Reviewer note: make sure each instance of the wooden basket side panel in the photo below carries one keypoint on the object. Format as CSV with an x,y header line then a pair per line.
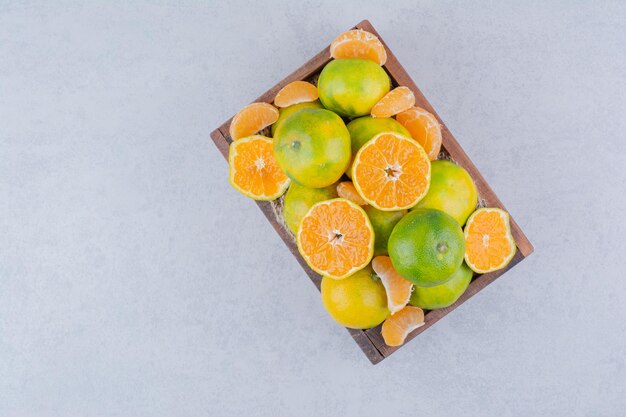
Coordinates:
x,y
370,341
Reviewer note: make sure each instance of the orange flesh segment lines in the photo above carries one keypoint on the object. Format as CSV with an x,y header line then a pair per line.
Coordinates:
x,y
254,171
398,288
336,238
488,240
389,169
397,327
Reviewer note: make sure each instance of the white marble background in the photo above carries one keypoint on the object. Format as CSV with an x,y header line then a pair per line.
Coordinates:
x,y
135,282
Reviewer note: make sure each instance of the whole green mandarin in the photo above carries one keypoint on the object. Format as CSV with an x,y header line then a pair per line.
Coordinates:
x,y
312,146
426,247
351,87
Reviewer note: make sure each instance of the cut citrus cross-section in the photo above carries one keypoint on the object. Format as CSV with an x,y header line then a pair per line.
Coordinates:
x,y
251,119
253,170
396,101
391,172
336,238
397,327
358,43
345,189
398,289
424,128
294,93
489,245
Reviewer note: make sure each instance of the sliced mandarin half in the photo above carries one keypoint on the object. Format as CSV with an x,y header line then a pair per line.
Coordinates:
x,y
396,101
397,327
398,288
336,238
295,93
345,189
251,119
253,170
424,128
489,244
391,172
358,43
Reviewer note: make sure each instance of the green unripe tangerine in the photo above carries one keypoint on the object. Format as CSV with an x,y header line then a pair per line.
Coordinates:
x,y
426,247
351,87
312,146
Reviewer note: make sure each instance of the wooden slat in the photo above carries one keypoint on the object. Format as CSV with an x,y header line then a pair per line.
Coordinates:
x,y
370,341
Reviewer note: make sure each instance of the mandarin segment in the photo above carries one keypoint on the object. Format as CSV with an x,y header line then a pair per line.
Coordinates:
x,y
358,43
424,128
254,171
336,238
398,289
397,327
295,93
251,119
345,189
489,244
396,101
391,172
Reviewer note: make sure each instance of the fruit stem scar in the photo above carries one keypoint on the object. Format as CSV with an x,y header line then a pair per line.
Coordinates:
x,y
442,247
392,172
335,237
295,145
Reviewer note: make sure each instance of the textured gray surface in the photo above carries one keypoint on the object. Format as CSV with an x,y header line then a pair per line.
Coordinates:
x,y
135,282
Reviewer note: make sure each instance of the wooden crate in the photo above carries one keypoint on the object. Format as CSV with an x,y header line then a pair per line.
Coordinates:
x,y
371,341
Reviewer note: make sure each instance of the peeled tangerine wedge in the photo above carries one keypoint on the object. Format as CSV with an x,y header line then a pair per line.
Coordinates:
x,y
398,289
358,43
295,93
391,172
397,327
253,170
345,189
336,238
396,101
251,119
489,245
424,128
